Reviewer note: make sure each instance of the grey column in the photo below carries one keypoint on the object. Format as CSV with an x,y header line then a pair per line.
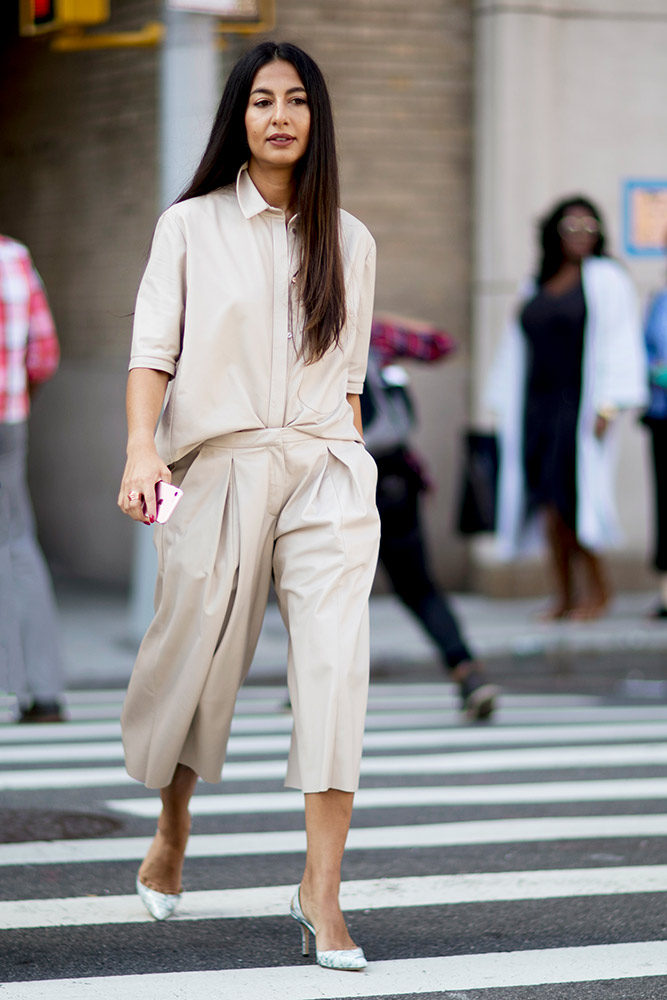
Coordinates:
x,y
189,91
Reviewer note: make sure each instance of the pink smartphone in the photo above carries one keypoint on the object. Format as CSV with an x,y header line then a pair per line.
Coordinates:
x,y
166,497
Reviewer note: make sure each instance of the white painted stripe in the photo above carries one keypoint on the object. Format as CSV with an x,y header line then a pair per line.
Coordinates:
x,y
421,976
282,722
252,694
222,804
91,696
412,739
372,894
484,761
37,734
497,831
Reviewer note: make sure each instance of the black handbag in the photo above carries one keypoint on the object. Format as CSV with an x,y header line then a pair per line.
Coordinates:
x,y
477,505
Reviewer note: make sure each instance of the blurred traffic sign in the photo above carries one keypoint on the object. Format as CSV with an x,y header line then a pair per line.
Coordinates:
x,y
38,16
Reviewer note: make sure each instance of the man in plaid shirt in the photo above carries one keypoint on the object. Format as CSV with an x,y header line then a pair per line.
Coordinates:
x,y
29,355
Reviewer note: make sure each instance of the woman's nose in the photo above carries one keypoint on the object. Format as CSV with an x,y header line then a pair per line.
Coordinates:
x,y
280,113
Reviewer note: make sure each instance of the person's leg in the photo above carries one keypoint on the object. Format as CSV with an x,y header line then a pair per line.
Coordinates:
x,y
561,543
210,604
327,824
598,592
659,449
403,555
41,680
162,867
324,564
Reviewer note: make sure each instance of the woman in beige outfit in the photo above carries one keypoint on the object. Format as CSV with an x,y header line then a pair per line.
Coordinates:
x,y
253,319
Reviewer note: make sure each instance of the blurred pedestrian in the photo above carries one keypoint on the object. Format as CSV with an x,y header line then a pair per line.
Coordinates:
x,y
571,358
29,355
655,419
388,418
257,300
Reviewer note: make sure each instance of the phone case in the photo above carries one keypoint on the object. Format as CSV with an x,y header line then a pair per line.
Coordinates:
x,y
167,497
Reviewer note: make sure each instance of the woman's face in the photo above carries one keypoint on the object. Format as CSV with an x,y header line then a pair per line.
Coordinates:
x,y
579,232
277,117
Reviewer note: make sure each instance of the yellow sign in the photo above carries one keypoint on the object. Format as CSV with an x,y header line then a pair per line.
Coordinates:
x,y
38,16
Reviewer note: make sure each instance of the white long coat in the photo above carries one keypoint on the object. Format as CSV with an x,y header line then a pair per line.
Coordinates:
x,y
614,373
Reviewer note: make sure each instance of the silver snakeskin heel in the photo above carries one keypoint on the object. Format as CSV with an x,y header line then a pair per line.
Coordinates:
x,y
350,960
160,905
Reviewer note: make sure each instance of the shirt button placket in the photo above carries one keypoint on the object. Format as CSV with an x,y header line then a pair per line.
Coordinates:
x,y
280,331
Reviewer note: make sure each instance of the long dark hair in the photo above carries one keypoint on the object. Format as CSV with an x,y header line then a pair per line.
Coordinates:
x,y
552,250
320,278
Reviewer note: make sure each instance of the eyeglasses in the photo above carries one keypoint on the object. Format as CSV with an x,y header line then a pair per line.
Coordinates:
x,y
570,225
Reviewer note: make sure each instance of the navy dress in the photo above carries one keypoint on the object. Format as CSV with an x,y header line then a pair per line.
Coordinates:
x,y
553,326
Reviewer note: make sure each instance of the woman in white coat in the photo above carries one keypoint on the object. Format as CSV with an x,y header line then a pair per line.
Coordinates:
x,y
570,359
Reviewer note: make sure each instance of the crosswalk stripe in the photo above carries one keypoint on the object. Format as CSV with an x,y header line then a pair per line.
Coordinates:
x,y
368,894
394,720
624,755
401,692
444,697
417,739
396,797
474,832
638,959
530,733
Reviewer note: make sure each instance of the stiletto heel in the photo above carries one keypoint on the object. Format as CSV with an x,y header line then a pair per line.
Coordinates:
x,y
346,960
305,942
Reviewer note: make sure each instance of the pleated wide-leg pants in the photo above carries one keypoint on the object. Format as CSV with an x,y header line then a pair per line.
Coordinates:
x,y
255,504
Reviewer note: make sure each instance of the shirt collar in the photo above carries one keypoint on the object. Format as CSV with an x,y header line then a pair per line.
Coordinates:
x,y
249,198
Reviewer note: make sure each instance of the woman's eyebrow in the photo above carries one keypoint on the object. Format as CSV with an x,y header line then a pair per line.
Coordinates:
x,y
265,90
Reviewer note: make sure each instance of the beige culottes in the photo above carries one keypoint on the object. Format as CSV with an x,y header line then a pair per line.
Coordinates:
x,y
257,503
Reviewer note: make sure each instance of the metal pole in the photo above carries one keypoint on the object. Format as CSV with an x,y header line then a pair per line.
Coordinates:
x,y
189,90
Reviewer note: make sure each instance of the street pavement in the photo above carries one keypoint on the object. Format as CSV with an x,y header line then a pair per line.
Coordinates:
x,y
523,859
100,645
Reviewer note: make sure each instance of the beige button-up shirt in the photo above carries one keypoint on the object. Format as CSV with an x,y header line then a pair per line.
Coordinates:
x,y
217,309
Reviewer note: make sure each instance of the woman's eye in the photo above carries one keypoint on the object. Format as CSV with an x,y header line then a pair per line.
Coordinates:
x,y
264,103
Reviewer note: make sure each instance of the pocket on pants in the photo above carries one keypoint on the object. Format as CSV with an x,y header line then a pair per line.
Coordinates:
x,y
361,465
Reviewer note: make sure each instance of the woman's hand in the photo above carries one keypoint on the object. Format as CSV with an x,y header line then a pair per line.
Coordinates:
x,y
143,469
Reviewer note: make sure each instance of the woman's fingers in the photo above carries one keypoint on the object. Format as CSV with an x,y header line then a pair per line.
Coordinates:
x,y
143,470
131,502
149,504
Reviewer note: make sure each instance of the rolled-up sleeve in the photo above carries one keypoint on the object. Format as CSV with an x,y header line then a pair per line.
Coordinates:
x,y
160,309
362,333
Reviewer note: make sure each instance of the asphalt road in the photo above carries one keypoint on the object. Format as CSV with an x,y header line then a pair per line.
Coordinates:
x,y
523,860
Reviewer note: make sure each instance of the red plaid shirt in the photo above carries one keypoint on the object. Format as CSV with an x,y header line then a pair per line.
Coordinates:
x,y
397,339
29,351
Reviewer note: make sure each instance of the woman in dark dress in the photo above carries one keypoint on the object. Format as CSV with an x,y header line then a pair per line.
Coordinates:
x,y
572,356
553,323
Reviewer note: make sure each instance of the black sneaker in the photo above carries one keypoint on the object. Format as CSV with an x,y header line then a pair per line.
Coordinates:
x,y
42,711
478,697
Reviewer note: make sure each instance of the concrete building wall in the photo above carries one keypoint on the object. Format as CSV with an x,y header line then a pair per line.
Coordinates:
x,y
569,100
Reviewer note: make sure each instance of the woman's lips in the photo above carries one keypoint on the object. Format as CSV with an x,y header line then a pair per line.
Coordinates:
x,y
281,140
